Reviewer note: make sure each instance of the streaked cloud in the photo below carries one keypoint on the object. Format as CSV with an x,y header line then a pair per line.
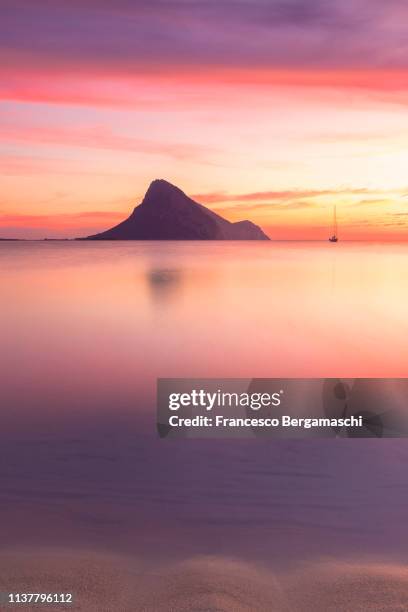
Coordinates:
x,y
100,137
372,202
66,218
295,194
58,225
265,208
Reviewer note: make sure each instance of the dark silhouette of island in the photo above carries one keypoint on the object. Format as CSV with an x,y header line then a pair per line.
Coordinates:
x,y
166,213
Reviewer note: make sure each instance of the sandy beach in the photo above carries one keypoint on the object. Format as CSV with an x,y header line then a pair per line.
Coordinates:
x,y
107,583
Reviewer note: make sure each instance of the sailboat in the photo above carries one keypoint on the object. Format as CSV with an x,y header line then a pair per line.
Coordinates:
x,y
334,237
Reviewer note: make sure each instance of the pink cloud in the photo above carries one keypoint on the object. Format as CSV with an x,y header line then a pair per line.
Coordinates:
x,y
61,225
222,197
100,137
173,89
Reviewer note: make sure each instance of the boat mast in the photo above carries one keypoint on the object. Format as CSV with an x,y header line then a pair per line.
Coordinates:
x,y
334,221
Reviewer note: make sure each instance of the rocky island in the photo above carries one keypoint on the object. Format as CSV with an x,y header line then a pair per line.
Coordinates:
x,y
167,213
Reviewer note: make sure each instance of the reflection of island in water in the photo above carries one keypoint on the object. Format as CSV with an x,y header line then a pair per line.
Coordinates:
x,y
165,280
164,284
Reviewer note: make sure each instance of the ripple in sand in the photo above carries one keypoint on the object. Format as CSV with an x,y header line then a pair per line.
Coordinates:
x,y
106,583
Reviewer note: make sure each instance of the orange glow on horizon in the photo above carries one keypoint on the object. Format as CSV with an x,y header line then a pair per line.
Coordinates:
x,y
305,139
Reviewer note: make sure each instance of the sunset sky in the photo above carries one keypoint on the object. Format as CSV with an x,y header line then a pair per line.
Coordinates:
x,y
269,110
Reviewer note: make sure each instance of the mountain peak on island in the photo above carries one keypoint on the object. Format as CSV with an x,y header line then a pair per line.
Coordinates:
x,y
162,186
167,213
162,192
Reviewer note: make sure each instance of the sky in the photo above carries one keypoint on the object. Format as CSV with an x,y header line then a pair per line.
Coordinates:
x,y
268,110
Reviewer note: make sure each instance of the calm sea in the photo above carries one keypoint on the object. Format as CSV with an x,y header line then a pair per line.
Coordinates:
x,y
86,328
